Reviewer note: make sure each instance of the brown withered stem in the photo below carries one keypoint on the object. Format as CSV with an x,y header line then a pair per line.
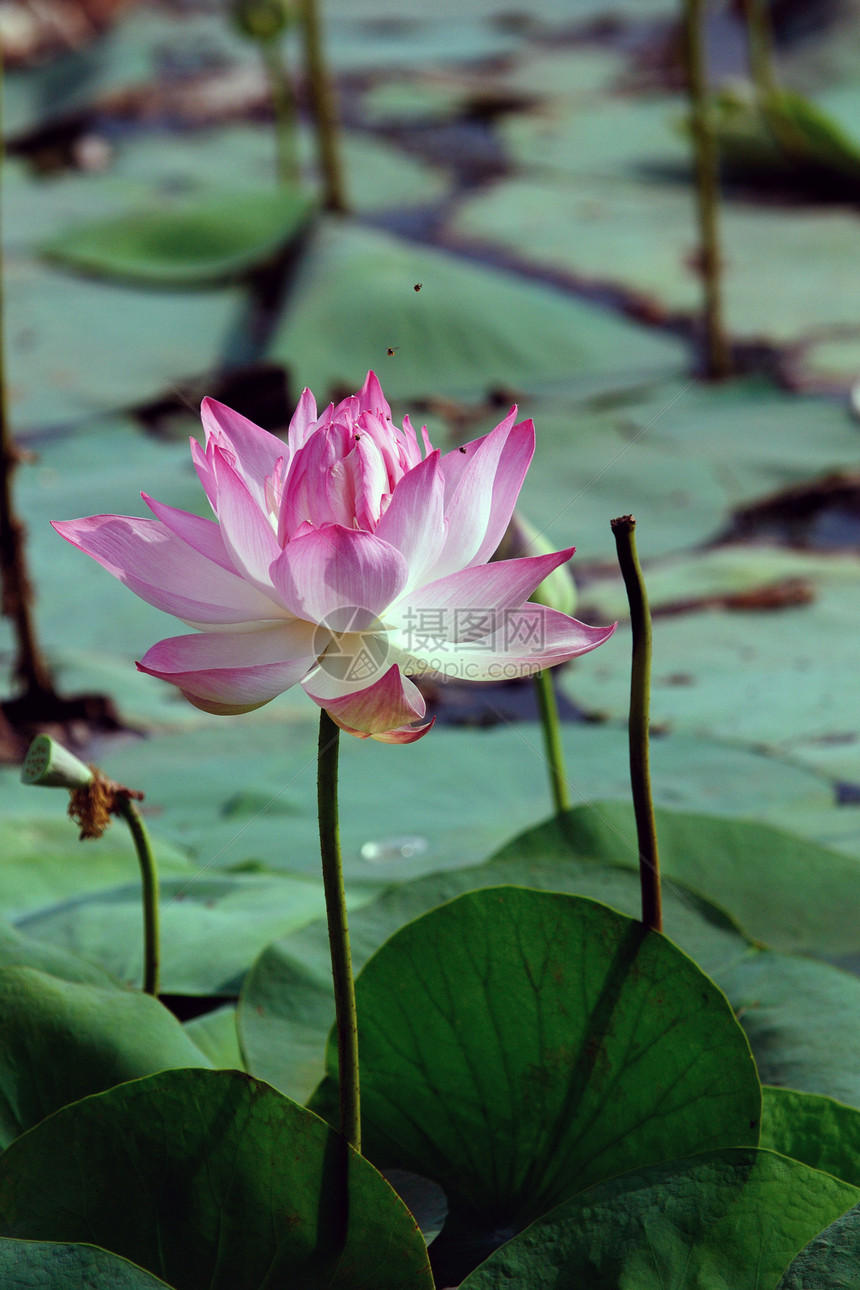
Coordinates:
x,y
91,807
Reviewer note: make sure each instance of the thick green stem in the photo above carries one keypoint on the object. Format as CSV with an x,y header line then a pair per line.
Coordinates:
x,y
149,879
718,354
322,102
284,108
552,740
640,703
760,42
338,932
30,668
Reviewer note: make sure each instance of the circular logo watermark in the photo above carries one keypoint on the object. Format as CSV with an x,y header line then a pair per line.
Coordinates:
x,y
349,650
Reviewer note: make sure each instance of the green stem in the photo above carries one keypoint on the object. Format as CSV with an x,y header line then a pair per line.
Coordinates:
x,y
284,108
30,668
760,41
640,702
552,739
149,878
322,101
338,932
718,355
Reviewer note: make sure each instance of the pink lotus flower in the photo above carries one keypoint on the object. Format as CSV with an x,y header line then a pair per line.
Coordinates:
x,y
345,560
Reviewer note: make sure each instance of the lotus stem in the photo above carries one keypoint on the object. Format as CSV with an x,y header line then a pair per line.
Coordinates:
x,y
640,703
338,932
322,102
718,354
284,108
552,739
760,42
149,883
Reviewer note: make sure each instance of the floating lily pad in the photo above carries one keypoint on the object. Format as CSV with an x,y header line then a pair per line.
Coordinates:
x,y
468,329
641,237
719,573
681,457
76,347
196,243
377,174
729,1218
756,678
584,134
478,788
212,1180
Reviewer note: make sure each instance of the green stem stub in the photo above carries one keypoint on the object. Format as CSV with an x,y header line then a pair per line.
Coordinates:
x,y
50,765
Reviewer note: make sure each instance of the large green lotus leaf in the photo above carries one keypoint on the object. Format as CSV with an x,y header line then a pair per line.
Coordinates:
x,y
78,347
796,1016
188,243
33,1265
212,927
819,1131
22,951
519,1045
763,679
213,1182
784,890
639,236
831,1260
62,1040
214,1033
468,329
730,1218
43,861
286,1007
